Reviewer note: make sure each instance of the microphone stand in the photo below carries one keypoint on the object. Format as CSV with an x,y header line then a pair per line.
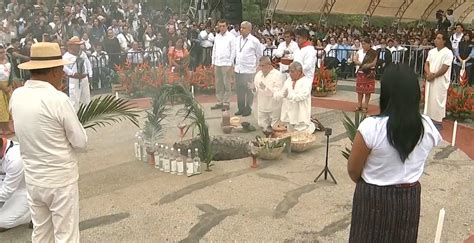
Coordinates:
x,y
326,171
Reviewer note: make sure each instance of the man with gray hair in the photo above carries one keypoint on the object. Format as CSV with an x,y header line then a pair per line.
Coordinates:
x,y
268,81
248,52
296,94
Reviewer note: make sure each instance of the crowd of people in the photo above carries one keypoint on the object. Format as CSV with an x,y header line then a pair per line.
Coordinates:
x,y
84,41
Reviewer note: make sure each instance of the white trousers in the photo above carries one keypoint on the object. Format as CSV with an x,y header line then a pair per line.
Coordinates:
x,y
79,92
15,210
55,213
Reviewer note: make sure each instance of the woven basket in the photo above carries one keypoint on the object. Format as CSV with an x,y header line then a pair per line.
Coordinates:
x,y
266,154
301,142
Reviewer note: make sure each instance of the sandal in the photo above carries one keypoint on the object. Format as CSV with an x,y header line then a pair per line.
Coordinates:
x,y
364,110
358,108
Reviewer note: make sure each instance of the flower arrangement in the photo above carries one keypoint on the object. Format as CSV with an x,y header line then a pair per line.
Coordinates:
x,y
459,101
325,81
203,78
142,77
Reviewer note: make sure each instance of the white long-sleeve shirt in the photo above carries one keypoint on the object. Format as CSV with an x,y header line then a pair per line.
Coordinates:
x,y
71,69
273,82
306,56
49,132
248,52
282,47
125,40
296,107
223,51
12,166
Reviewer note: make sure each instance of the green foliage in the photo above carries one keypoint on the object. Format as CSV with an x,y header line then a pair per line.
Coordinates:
x,y
351,129
153,129
193,111
106,110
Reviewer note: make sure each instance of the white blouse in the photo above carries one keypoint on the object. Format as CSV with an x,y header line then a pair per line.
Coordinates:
x,y
384,166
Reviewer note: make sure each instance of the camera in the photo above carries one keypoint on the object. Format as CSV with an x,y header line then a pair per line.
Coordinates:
x,y
328,131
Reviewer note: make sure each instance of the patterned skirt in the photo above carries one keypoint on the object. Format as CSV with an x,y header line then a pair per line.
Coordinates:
x,y
365,83
4,99
385,213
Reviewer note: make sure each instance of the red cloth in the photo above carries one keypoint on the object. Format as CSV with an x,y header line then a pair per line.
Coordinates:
x,y
365,83
305,44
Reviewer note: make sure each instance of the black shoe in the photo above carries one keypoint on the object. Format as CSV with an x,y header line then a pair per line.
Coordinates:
x,y
217,107
247,113
238,113
30,225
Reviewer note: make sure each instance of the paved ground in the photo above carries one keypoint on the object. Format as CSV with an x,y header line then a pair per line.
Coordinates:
x,y
124,200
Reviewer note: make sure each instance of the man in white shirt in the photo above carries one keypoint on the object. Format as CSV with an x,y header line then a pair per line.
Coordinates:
x,y
286,49
235,30
135,55
49,132
125,39
438,76
457,36
248,51
306,55
268,81
397,52
330,48
14,208
206,40
296,108
223,56
78,73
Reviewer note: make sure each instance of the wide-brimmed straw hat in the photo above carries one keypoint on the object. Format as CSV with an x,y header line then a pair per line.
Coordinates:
x,y
75,41
44,55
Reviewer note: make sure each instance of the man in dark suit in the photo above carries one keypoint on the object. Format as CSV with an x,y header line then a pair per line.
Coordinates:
x,y
385,58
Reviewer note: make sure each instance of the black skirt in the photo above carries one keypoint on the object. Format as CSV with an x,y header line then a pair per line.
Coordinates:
x,y
385,213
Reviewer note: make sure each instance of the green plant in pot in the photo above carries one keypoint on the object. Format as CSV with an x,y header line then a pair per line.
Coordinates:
x,y
351,129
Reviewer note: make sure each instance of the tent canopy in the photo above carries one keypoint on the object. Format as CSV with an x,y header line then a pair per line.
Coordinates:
x,y
386,8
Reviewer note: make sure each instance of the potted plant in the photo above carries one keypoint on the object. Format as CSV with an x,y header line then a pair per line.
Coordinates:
x,y
351,129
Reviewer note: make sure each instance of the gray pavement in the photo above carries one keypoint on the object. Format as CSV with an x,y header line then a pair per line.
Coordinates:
x,y
124,200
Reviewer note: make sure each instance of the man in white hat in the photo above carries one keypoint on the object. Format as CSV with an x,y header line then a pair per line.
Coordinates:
x,y
49,133
78,73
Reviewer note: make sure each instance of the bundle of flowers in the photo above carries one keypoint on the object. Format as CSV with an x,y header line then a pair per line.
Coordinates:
x,y
203,78
142,76
325,80
459,102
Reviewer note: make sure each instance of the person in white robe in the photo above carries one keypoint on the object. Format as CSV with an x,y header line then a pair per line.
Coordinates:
x,y
267,82
306,55
438,77
14,210
286,49
296,107
78,73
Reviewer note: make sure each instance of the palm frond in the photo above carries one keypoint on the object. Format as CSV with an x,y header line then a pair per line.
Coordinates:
x,y
106,110
193,111
351,129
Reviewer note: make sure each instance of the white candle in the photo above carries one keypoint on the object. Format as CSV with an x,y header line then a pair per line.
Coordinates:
x,y
427,93
439,228
192,90
455,129
116,95
136,147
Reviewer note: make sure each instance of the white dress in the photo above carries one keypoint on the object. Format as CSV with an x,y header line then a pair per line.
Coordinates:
x,y
435,100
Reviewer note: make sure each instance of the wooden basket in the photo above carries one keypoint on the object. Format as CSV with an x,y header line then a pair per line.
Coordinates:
x,y
301,142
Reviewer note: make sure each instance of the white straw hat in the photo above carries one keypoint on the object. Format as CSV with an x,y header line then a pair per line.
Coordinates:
x,y
44,55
